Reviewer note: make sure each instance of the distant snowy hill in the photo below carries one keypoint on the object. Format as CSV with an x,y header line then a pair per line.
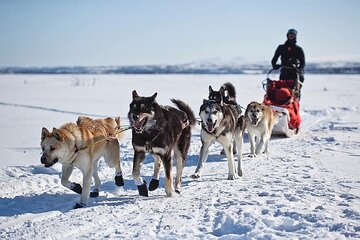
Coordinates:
x,y
211,66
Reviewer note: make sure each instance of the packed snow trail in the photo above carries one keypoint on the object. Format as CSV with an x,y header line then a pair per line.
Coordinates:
x,y
307,187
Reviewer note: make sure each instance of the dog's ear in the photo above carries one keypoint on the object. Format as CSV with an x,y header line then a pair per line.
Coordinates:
x,y
117,120
222,91
44,133
210,89
247,109
57,135
154,96
81,119
203,106
134,94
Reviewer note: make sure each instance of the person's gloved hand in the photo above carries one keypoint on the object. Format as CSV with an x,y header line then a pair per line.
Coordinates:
x,y
276,67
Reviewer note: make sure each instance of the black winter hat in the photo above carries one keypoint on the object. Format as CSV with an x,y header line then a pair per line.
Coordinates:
x,y
291,31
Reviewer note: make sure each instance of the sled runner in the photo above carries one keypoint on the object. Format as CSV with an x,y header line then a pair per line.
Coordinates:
x,y
283,97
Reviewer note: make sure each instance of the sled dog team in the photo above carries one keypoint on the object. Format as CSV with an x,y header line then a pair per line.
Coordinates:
x,y
162,131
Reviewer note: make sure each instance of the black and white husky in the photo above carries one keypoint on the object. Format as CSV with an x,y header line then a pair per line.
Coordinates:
x,y
226,94
163,131
221,122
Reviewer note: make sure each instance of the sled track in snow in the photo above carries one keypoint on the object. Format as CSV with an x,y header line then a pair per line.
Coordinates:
x,y
50,109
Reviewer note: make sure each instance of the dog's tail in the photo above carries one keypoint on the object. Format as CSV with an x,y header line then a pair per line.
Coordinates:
x,y
277,116
186,109
231,93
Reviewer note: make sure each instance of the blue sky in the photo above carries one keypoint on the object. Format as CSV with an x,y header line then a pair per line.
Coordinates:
x,y
131,32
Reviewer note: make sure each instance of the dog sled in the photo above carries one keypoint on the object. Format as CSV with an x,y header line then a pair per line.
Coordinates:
x,y
283,97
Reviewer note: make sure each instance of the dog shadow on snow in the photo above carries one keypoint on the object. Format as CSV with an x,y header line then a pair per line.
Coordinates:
x,y
217,157
64,202
110,195
49,201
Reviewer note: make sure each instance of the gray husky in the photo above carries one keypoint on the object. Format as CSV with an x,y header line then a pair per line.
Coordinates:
x,y
221,122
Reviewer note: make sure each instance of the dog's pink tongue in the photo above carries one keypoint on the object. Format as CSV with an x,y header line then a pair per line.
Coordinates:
x,y
139,124
210,127
254,120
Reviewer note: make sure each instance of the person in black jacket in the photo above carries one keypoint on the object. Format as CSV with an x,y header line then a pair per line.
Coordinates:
x,y
291,56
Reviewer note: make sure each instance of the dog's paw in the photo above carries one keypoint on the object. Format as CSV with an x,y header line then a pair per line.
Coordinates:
x,y
177,191
94,193
169,193
119,181
266,152
252,155
79,205
231,177
240,172
76,187
195,176
143,191
222,152
154,184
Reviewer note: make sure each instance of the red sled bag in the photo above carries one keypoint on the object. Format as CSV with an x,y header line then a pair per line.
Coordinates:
x,y
282,97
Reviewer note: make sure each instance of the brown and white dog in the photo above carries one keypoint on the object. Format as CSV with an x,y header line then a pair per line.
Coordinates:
x,y
81,145
260,120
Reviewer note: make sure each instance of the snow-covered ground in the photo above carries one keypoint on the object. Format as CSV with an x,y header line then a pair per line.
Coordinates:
x,y
307,187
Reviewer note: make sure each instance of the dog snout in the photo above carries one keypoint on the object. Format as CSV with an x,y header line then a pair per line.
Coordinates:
x,y
209,120
43,158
